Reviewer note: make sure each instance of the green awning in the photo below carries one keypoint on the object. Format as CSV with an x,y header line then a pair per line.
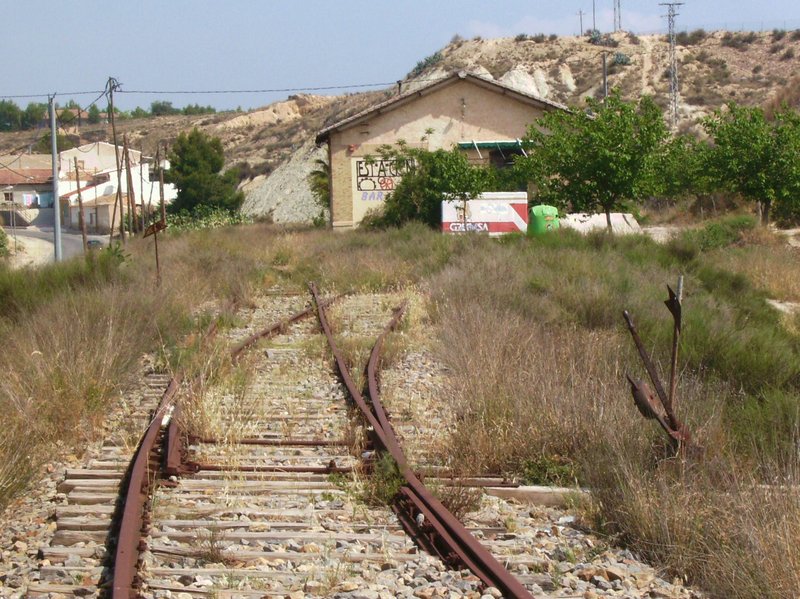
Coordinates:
x,y
512,144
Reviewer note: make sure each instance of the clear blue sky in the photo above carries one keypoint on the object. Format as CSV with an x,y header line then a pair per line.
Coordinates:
x,y
76,45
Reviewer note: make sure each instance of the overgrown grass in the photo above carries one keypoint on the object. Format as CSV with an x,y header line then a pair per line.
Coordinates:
x,y
532,332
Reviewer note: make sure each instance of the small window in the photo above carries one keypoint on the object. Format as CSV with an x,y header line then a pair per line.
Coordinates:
x,y
8,196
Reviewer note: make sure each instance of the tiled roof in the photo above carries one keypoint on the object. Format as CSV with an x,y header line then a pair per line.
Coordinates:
x,y
398,101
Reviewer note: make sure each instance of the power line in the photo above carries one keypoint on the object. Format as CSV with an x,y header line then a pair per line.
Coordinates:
x,y
83,93
258,91
218,91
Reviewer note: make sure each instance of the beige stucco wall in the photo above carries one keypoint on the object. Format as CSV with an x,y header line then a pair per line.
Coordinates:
x,y
462,111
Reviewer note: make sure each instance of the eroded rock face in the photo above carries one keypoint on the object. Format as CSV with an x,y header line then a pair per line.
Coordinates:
x,y
285,195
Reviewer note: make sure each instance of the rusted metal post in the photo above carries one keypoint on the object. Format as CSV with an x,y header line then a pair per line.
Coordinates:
x,y
674,306
646,360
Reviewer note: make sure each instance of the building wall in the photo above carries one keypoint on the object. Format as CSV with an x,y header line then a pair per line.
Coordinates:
x,y
98,219
462,111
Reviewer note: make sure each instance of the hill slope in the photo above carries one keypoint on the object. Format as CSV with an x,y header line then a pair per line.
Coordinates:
x,y
714,68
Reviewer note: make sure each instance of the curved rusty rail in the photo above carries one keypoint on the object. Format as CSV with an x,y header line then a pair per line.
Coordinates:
x,y
140,475
445,534
140,478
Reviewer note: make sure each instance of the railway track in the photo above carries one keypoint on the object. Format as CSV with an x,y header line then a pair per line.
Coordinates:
x,y
254,486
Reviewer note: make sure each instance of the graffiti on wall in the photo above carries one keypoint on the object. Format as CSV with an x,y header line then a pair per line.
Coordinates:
x,y
375,178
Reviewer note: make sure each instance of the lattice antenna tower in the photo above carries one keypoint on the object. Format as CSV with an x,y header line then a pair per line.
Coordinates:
x,y
617,15
673,62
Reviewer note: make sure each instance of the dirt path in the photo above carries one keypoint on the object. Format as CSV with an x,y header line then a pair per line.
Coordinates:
x,y
647,65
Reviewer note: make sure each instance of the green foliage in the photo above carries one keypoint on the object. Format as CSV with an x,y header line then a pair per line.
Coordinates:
x,y
757,158
740,41
4,251
163,108
64,142
34,115
684,38
602,39
204,217
196,109
622,59
196,161
319,181
598,160
428,179
10,116
23,291
94,114
547,470
714,235
426,63
766,424
384,483
67,117
680,168
139,113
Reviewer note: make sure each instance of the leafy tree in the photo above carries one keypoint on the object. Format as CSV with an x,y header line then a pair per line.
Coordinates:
x,y
34,114
319,180
196,109
196,161
94,114
428,179
680,169
756,158
139,113
162,107
598,160
66,117
64,142
10,116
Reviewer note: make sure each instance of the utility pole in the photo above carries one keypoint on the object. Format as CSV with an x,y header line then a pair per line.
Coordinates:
x,y
81,218
56,202
113,85
594,17
605,75
580,16
673,62
617,15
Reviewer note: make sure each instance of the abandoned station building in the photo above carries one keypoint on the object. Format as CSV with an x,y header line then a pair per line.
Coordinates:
x,y
484,118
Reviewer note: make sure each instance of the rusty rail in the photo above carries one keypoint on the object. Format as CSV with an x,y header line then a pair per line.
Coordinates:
x,y
141,475
433,526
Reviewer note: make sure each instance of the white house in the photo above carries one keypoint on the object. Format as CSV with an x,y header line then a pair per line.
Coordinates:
x,y
97,180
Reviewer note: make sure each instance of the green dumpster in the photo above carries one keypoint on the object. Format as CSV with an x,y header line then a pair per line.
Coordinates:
x,y
543,218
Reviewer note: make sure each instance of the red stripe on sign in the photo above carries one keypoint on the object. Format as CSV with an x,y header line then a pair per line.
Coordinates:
x,y
522,210
483,227
504,228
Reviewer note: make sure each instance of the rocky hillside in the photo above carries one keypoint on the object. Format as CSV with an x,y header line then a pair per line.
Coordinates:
x,y
750,68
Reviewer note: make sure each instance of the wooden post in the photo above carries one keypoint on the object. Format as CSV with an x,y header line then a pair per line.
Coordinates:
x,y
142,222
97,213
81,219
161,189
118,201
129,180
